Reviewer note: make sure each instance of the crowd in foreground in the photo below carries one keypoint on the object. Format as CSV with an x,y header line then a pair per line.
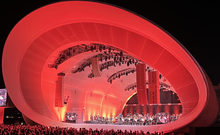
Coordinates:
x,y
43,130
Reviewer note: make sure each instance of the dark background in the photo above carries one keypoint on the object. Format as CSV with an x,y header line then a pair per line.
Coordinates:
x,y
194,24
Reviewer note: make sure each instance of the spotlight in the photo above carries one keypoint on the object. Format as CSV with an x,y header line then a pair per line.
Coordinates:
x,y
100,48
121,54
91,48
109,50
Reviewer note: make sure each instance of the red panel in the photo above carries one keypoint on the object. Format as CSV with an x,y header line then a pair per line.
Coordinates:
x,y
141,84
167,109
138,109
39,52
135,43
151,52
2,109
37,59
189,92
167,61
68,33
119,37
151,109
144,109
50,40
30,65
79,31
125,111
39,42
153,87
180,77
191,105
176,109
158,109
105,33
59,92
91,31
59,37
131,110
26,74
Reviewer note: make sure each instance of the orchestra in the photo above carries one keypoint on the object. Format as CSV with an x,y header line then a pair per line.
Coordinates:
x,y
136,119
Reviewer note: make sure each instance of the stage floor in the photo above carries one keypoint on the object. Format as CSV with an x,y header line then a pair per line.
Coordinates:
x,y
145,128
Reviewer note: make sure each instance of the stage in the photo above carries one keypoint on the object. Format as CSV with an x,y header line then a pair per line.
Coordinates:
x,y
93,126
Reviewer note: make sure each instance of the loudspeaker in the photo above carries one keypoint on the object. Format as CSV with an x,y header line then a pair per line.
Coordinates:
x,y
95,67
59,90
141,84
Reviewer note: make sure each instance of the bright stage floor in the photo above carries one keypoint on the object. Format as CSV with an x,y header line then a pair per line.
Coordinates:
x,y
145,128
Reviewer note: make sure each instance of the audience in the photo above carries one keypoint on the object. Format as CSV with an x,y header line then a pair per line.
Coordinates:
x,y
43,130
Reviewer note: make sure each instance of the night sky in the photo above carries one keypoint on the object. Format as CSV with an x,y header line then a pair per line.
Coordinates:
x,y
194,24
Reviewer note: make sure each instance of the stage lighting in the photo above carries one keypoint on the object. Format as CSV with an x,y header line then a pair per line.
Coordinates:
x,y
121,54
100,48
109,50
